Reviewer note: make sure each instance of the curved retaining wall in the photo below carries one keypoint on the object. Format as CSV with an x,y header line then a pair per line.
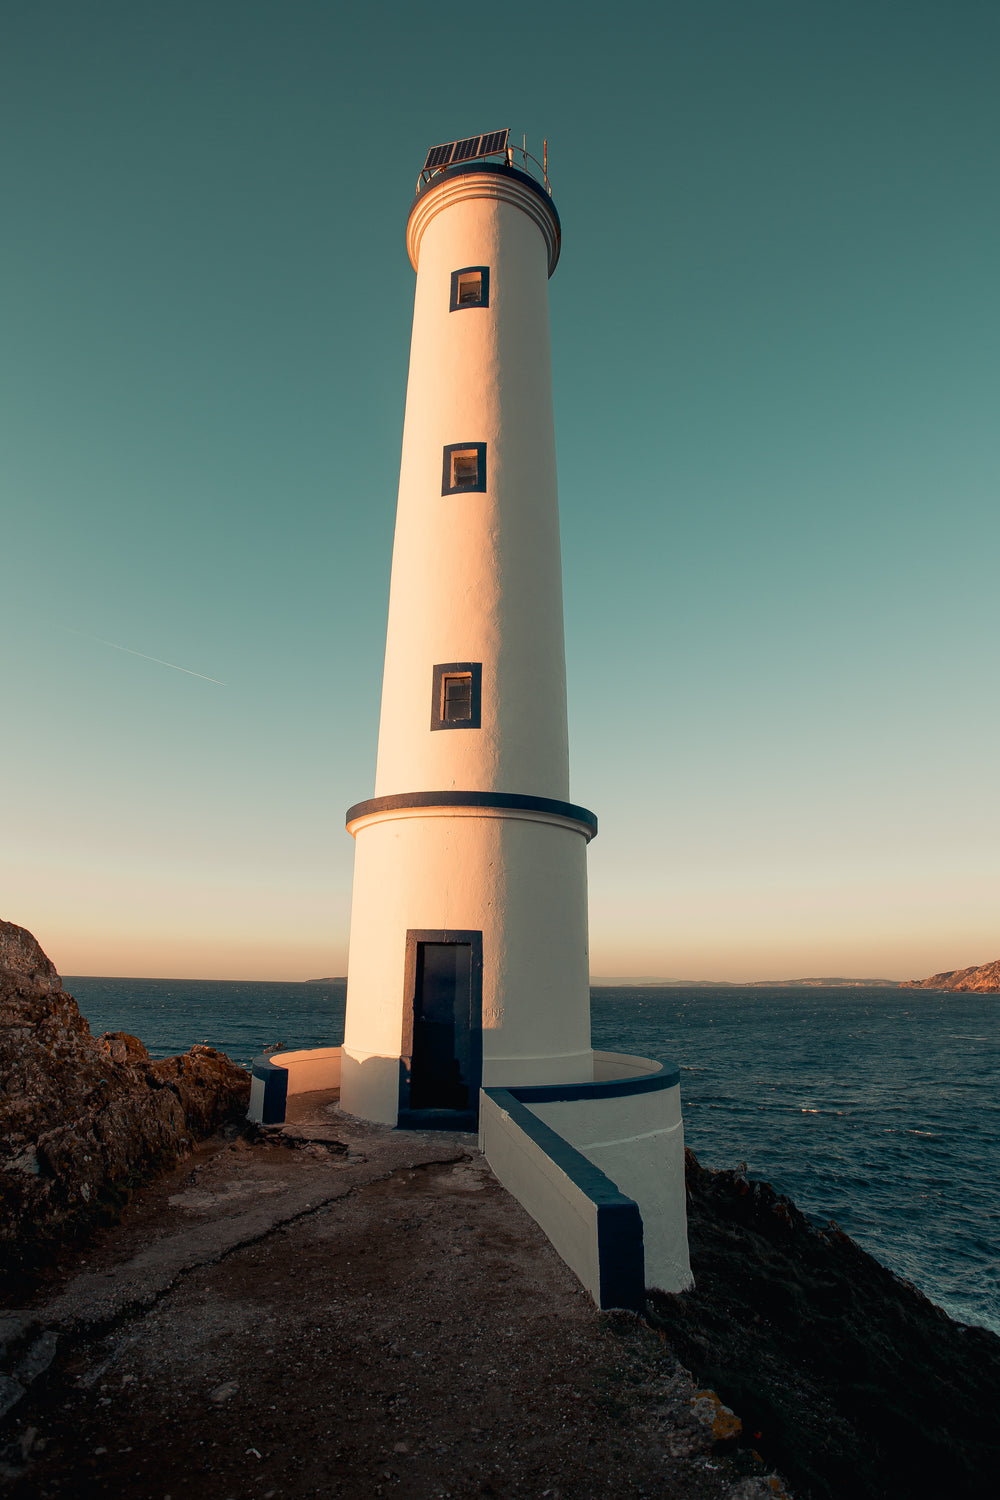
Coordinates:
x,y
278,1076
600,1167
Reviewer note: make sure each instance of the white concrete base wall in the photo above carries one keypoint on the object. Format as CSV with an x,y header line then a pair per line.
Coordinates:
x,y
255,1110
561,1208
623,1140
310,1069
637,1140
522,883
609,1066
510,1072
369,1086
277,1078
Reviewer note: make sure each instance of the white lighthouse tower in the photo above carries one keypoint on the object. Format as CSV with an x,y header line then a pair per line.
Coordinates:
x,y
468,957
468,994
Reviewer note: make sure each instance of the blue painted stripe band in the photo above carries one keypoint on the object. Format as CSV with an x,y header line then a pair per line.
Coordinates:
x,y
668,1077
515,801
621,1256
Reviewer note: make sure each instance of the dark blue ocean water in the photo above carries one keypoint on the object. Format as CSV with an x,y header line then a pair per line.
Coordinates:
x,y
877,1108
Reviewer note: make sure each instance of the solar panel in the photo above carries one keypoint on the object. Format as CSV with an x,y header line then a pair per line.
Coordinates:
x,y
467,149
439,156
495,141
474,145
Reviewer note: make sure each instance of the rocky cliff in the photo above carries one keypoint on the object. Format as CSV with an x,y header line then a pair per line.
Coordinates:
x,y
985,979
848,1380
83,1118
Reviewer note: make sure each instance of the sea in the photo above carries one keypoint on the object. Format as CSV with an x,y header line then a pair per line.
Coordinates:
x,y
876,1108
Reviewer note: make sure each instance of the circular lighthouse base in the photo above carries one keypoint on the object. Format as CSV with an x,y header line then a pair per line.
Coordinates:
x,y
469,961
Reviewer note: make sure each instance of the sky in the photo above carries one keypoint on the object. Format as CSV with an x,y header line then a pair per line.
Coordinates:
x,y
776,347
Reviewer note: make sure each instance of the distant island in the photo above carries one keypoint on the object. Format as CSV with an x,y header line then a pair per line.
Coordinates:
x,y
631,981
843,984
984,980
647,981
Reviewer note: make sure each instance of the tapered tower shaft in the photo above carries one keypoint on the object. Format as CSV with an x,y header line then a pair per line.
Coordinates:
x,y
468,958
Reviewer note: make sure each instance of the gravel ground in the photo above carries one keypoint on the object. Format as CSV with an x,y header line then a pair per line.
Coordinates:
x,y
341,1310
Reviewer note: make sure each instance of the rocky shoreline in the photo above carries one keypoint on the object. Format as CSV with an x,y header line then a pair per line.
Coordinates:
x,y
84,1119
851,1381
341,1309
984,980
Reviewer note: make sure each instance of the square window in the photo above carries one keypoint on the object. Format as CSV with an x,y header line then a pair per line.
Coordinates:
x,y
470,287
456,701
464,468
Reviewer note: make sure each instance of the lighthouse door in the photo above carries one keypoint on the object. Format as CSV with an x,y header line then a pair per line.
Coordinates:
x,y
446,1051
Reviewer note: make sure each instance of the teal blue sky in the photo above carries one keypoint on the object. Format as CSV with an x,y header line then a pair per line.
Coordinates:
x,y
776,347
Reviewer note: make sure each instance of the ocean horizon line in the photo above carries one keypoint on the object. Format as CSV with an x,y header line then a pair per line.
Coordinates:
x,y
597,981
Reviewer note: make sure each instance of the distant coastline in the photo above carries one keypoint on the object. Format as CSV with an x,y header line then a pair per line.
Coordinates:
x,y
597,982
644,982
193,979
985,980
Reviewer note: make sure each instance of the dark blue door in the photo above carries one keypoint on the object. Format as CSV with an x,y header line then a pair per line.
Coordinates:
x,y
443,1062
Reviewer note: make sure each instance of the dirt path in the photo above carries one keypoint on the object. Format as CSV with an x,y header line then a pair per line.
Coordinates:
x,y
341,1310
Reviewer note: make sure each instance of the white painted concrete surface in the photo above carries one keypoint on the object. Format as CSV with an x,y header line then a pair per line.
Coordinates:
x,y
309,1069
609,1066
638,1141
476,577
635,1138
554,1201
518,881
255,1109
306,1070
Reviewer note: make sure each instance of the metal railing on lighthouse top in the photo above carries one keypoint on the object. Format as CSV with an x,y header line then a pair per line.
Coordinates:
x,y
495,144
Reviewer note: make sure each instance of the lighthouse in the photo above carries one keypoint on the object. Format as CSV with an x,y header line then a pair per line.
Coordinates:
x,y
468,953
468,999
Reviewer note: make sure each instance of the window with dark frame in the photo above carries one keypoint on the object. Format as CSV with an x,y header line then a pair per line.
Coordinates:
x,y
457,695
470,287
464,470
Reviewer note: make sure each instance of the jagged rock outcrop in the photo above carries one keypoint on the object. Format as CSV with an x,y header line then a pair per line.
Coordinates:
x,y
84,1118
984,980
848,1379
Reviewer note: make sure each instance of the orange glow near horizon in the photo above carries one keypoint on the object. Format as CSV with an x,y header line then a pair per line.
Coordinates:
x,y
244,956
155,923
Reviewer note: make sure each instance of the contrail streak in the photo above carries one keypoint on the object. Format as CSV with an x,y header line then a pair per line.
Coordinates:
x,y
158,659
